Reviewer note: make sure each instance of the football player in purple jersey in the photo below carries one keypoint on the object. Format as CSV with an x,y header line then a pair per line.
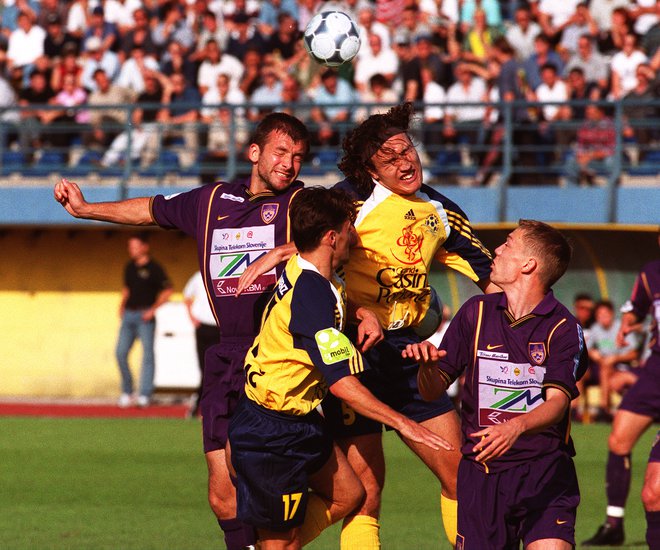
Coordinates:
x,y
639,408
233,224
522,353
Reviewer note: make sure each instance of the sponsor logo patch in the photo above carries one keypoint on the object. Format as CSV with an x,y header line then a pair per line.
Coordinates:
x,y
231,197
410,215
333,346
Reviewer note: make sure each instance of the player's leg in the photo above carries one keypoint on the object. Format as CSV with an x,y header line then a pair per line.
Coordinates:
x,y
443,464
127,336
651,496
627,428
146,333
337,492
365,456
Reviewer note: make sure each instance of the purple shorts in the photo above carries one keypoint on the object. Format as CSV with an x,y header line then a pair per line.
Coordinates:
x,y
223,383
644,395
655,449
532,501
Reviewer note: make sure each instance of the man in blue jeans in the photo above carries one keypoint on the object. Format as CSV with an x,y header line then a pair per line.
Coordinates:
x,y
146,287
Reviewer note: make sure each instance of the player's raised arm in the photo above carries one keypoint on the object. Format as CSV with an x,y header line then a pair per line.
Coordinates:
x,y
350,390
264,264
129,212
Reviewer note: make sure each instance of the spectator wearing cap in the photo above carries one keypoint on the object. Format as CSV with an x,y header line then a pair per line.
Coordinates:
x,y
26,44
56,37
425,57
243,37
543,53
379,61
594,65
138,35
215,62
522,32
107,32
173,28
96,57
50,8
269,12
367,26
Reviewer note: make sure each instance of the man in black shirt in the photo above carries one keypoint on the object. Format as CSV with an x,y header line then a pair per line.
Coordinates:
x,y
146,287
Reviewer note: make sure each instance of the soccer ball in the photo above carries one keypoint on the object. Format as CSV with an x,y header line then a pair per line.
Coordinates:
x,y
331,38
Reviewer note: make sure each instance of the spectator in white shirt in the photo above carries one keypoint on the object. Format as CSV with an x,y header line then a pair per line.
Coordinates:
x,y
624,67
554,91
377,61
522,33
215,63
26,43
134,69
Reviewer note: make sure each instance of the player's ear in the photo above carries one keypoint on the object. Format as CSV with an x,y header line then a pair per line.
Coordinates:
x,y
530,265
253,152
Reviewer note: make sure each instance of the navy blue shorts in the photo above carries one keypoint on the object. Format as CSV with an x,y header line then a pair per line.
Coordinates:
x,y
643,397
393,380
532,501
273,455
655,449
222,385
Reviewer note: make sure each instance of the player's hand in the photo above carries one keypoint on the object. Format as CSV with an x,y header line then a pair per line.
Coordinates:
x,y
496,440
416,432
369,331
69,195
255,269
425,353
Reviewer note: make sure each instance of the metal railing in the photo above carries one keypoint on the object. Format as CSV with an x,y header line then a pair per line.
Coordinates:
x,y
523,155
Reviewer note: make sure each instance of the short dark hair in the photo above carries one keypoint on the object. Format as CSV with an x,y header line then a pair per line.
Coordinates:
x,y
280,122
550,245
607,304
316,210
142,236
581,296
362,143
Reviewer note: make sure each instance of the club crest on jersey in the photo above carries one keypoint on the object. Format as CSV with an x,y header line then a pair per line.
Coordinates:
x,y
537,352
269,212
432,224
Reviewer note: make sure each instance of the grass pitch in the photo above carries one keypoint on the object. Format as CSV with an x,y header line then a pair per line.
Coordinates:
x,y
140,484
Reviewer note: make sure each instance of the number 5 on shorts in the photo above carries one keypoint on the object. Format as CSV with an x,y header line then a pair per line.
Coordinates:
x,y
291,503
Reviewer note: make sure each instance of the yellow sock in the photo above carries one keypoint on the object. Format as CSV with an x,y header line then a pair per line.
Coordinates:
x,y
360,533
449,509
317,518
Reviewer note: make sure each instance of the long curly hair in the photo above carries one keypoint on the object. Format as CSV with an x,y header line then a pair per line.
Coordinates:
x,y
366,139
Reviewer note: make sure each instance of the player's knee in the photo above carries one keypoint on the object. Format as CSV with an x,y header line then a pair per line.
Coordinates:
x,y
351,501
617,444
651,497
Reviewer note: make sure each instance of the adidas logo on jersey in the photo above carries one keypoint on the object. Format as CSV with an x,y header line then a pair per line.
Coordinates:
x,y
410,215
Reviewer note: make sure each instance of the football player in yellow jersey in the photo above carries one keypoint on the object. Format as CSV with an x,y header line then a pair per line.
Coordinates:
x,y
280,446
402,226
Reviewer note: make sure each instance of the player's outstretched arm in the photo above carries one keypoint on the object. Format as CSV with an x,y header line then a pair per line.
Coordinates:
x,y
350,390
497,440
430,383
128,212
369,331
264,264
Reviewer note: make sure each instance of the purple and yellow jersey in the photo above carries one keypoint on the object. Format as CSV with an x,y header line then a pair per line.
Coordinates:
x,y
645,298
508,365
233,228
300,351
398,238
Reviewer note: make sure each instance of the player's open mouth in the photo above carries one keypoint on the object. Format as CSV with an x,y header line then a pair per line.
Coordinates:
x,y
408,176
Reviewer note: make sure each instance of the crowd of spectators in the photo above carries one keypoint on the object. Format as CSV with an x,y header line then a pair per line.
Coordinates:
x,y
216,67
